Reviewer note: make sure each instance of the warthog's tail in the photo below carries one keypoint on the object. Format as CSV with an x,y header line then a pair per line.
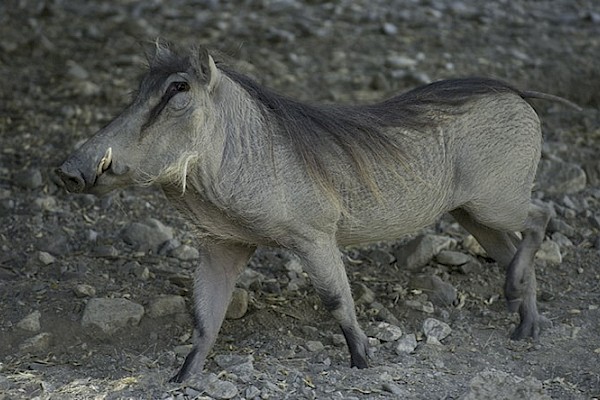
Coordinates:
x,y
530,94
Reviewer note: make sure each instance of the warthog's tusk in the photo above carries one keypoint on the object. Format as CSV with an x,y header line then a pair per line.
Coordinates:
x,y
105,162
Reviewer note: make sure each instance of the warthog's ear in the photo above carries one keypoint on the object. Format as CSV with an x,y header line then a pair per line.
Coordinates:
x,y
161,50
206,68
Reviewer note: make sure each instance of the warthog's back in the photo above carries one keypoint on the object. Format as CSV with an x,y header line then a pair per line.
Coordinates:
x,y
488,148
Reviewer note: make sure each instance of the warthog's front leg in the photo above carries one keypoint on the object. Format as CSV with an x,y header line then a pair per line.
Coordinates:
x,y
214,281
323,263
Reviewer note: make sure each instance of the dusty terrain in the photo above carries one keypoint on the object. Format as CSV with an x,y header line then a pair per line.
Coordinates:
x,y
66,68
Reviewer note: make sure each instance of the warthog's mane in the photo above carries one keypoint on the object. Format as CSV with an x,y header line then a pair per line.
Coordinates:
x,y
318,131
361,131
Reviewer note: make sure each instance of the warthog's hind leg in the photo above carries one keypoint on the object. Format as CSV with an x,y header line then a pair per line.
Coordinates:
x,y
520,285
517,256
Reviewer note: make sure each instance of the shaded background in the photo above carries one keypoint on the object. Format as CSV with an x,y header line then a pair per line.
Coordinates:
x,y
67,67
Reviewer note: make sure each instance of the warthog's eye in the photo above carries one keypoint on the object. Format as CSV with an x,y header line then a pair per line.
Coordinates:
x,y
179,87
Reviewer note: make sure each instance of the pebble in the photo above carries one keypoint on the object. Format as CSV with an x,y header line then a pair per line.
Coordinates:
x,y
236,364
29,178
111,314
220,389
436,329
439,292
452,258
84,290
407,344
559,177
166,305
493,384
147,235
46,258
37,343
558,225
185,253
421,250
250,279
426,307
400,61
364,295
75,70
387,332
550,252
390,29
238,305
472,246
168,246
105,251
45,203
31,322
314,346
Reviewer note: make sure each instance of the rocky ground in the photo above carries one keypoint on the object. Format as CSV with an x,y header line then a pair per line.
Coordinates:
x,y
95,292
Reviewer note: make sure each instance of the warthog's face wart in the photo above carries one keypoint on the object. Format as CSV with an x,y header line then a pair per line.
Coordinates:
x,y
157,136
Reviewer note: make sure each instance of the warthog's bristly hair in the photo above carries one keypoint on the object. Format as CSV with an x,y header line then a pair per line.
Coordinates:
x,y
316,131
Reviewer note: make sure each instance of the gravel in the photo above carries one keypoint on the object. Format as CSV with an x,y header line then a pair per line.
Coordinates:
x,y
69,67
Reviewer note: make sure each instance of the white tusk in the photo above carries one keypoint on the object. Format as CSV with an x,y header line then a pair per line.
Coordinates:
x,y
105,162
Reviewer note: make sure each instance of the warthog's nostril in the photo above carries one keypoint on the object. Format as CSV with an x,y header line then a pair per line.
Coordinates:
x,y
73,181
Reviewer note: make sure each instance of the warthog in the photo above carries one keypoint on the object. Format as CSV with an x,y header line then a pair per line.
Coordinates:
x,y
251,167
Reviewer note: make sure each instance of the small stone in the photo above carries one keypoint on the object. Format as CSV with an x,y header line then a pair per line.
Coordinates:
x,y
83,290
75,70
407,344
436,329
421,250
250,279
452,258
238,305
294,266
185,253
338,340
493,384
387,332
220,389
168,246
558,225
364,295
425,307
29,179
45,203
46,258
400,61
37,343
396,390
148,235
111,314
31,322
472,246
550,252
439,292
239,365
166,305
105,251
314,345
390,29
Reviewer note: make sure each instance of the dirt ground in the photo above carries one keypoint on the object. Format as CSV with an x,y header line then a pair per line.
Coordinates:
x,y
66,68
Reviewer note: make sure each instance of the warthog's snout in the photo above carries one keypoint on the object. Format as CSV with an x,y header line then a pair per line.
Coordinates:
x,y
80,175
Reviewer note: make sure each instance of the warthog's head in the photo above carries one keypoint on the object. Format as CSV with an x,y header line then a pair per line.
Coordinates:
x,y
160,134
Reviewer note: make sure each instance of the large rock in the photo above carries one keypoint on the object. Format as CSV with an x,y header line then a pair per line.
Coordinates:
x,y
109,315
